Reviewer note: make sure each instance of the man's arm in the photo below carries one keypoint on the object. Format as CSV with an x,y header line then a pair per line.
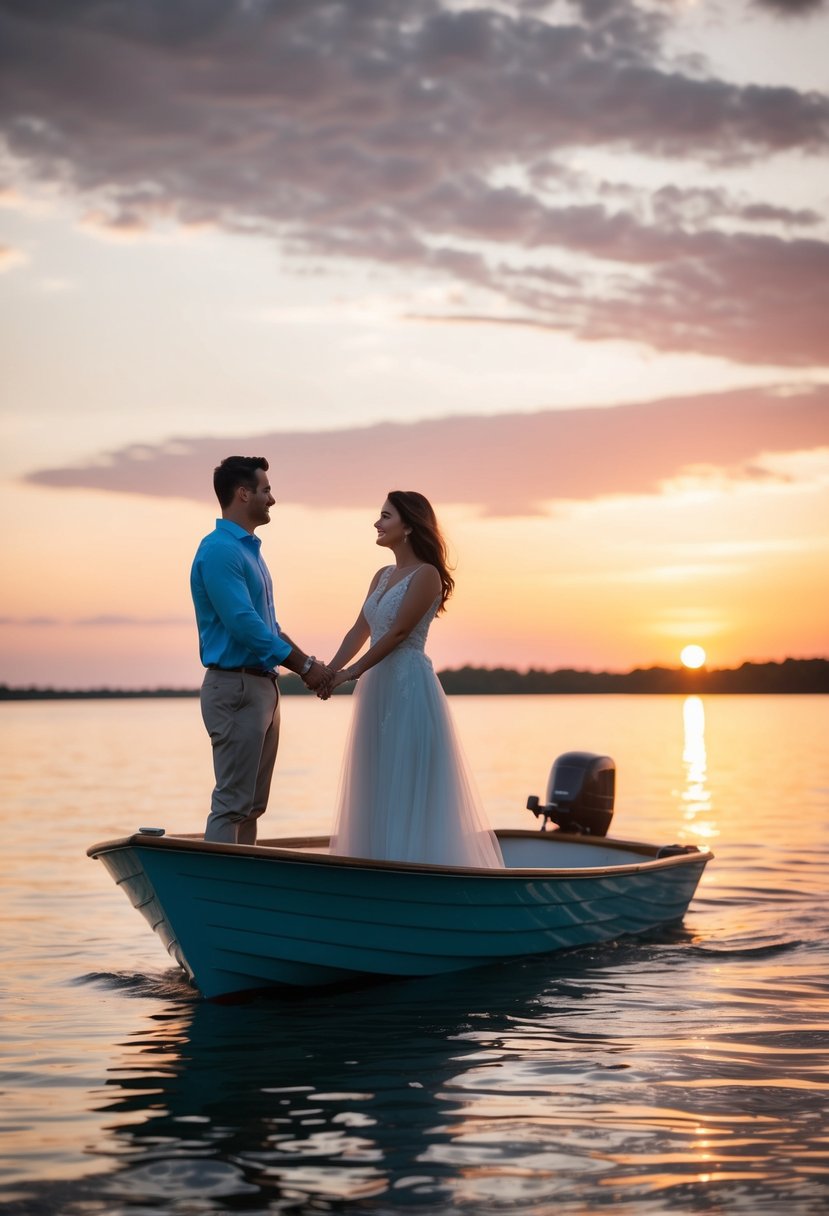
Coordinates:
x,y
314,674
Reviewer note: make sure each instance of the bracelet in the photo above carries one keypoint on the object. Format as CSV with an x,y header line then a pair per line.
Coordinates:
x,y
351,674
308,664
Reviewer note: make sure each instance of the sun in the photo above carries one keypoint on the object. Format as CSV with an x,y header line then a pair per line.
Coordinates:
x,y
692,656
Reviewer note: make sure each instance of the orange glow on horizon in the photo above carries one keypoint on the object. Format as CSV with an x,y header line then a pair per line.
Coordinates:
x,y
598,586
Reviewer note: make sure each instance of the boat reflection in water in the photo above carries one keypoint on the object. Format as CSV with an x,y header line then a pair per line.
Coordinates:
x,y
449,1090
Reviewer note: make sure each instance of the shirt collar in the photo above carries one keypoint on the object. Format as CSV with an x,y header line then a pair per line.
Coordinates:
x,y
227,525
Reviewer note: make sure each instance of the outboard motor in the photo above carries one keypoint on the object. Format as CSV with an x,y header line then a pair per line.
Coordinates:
x,y
580,794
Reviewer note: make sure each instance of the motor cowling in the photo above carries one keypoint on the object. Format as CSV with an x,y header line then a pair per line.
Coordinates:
x,y
580,794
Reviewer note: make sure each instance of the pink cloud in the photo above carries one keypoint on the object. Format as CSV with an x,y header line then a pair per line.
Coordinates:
x,y
506,464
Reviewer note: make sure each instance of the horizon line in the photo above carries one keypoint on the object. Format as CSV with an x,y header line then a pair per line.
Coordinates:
x,y
689,673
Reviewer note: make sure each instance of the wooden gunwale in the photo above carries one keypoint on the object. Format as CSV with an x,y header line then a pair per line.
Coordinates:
x,y
293,850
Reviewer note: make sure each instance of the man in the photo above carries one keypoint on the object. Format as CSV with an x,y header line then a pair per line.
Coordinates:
x,y
240,644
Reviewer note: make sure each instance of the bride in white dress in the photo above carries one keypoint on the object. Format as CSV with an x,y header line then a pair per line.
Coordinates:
x,y
405,793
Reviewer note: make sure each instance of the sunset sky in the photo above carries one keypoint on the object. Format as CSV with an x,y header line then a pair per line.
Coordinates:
x,y
564,268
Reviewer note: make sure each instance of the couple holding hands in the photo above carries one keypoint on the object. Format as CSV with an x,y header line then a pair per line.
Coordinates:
x,y
405,791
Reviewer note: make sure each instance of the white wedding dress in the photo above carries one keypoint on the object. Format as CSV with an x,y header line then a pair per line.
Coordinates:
x,y
405,792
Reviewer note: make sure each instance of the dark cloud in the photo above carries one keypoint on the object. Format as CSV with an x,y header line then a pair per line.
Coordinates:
x,y
792,8
674,206
502,464
377,129
747,297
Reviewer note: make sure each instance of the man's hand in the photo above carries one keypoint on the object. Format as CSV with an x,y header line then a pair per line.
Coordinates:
x,y
317,676
338,678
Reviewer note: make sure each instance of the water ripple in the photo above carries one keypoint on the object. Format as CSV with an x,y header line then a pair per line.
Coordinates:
x,y
685,1071
766,950
169,985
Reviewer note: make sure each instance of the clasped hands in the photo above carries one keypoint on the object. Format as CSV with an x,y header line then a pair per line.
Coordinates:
x,y
333,680
317,676
322,679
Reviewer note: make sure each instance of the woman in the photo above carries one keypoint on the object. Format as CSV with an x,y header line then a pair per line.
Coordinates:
x,y
405,793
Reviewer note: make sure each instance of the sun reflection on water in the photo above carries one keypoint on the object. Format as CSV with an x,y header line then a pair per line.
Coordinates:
x,y
696,796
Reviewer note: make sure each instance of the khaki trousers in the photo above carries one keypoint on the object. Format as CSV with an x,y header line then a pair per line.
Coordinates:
x,y
241,714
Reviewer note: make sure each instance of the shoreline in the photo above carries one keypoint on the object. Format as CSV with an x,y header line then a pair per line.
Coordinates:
x,y
792,676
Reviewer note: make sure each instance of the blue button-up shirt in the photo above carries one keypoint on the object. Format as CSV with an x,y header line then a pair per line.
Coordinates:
x,y
233,597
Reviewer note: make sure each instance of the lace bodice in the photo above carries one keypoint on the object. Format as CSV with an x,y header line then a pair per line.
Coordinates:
x,y
382,607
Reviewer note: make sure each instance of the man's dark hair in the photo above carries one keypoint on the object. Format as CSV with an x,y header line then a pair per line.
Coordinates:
x,y
236,471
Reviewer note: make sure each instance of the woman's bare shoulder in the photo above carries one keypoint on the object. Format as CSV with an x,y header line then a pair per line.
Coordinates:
x,y
379,574
427,575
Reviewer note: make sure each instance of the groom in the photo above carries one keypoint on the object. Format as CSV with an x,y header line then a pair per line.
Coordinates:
x,y
240,644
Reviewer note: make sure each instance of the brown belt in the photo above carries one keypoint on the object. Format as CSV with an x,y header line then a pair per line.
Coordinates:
x,y
248,671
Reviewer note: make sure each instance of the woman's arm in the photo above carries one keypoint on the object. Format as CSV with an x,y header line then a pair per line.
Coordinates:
x,y
351,643
356,636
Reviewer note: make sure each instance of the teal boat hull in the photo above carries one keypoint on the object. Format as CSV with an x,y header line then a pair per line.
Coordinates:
x,y
285,913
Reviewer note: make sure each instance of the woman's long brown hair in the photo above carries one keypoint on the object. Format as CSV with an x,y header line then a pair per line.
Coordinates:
x,y
425,536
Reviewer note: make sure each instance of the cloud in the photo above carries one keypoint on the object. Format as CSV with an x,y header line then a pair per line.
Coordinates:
x,y
45,622
111,620
11,257
792,8
672,206
746,297
506,464
386,132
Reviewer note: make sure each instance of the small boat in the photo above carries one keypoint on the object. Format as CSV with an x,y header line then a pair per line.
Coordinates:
x,y
286,913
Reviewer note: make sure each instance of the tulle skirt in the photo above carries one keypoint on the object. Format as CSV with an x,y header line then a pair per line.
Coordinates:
x,y
406,793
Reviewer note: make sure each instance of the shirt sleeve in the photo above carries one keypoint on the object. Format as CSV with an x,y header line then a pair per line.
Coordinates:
x,y
223,575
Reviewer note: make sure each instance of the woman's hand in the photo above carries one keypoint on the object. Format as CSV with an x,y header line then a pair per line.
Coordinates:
x,y
339,677
323,690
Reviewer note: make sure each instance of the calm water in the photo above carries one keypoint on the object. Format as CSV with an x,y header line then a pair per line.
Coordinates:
x,y
683,1073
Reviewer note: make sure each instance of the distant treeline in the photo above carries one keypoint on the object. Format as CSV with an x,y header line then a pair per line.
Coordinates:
x,y
790,676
